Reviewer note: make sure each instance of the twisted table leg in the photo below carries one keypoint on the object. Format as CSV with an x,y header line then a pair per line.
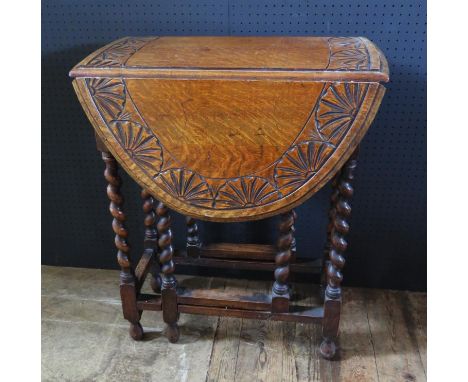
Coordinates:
x,y
293,241
326,250
340,227
151,239
280,290
127,277
169,283
193,241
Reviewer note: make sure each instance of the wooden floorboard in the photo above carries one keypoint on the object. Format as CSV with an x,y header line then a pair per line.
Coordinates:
x,y
392,331
417,308
357,361
254,351
226,344
383,337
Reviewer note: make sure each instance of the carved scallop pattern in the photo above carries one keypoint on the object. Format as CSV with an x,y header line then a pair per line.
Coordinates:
x,y
333,117
347,53
244,192
337,110
301,163
187,186
142,147
119,53
109,95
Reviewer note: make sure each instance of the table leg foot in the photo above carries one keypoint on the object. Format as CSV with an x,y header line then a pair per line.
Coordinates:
x,y
136,331
172,333
327,349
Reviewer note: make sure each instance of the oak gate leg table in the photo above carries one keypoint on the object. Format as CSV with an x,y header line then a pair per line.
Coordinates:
x,y
230,129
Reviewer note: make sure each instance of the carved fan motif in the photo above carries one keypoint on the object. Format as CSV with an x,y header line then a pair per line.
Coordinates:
x,y
334,115
186,185
118,54
246,192
300,163
348,54
109,95
337,110
143,148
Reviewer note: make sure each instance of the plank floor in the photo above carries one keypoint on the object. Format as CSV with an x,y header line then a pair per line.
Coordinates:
x,y
85,338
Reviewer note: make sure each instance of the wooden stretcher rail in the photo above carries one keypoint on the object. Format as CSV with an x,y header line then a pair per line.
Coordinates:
x,y
305,316
301,266
149,302
223,299
143,267
211,302
239,251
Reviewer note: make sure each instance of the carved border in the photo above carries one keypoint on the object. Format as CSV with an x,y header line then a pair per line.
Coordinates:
x,y
330,121
118,53
346,54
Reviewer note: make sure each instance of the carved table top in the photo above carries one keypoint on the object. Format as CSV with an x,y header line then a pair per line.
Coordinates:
x,y
232,128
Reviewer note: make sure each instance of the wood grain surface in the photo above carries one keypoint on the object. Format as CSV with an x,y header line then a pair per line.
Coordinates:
x,y
242,124
232,148
299,58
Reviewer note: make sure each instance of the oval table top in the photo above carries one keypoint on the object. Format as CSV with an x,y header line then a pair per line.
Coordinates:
x,y
232,128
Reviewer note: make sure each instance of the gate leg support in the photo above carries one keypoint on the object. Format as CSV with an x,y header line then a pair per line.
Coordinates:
x,y
280,291
169,282
193,241
151,239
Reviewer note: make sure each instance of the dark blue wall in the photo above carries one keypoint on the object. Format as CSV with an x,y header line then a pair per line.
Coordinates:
x,y
388,237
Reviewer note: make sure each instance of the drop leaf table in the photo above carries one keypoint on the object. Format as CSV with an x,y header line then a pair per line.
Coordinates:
x,y
230,129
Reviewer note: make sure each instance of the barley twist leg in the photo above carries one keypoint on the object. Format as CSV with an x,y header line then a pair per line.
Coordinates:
x,y
280,291
169,283
127,277
339,229
151,238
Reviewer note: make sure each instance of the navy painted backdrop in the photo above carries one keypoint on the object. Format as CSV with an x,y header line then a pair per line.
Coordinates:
x,y
388,228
